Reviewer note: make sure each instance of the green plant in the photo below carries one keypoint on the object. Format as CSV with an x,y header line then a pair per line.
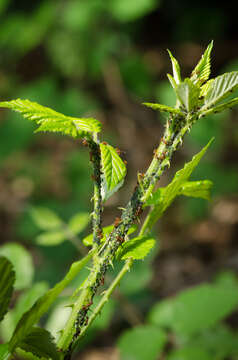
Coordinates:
x,y
196,97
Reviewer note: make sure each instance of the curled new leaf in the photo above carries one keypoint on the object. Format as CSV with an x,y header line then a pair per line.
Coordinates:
x,y
52,121
113,170
188,94
176,68
202,71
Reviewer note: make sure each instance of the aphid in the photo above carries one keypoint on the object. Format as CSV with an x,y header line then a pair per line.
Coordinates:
x,y
140,176
102,281
86,321
117,221
162,157
119,152
164,141
104,143
125,162
139,210
84,142
120,239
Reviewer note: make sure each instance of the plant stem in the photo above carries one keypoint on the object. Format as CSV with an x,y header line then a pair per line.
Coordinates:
x,y
95,158
176,128
106,297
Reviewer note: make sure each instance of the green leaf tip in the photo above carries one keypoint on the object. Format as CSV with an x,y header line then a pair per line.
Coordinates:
x,y
176,68
52,121
202,71
163,108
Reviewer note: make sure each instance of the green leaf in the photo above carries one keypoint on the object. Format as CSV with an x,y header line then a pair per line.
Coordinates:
x,y
22,262
163,197
196,309
79,222
52,238
40,343
142,343
42,305
24,303
176,68
220,88
219,108
172,81
221,342
164,108
198,189
136,248
124,10
52,121
45,218
202,71
204,88
190,353
4,352
113,170
188,94
7,279
88,240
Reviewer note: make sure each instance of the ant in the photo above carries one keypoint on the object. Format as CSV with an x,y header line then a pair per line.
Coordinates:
x,y
117,221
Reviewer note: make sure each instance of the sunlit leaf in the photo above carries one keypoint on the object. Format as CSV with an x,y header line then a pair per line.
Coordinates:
x,y
136,248
198,189
113,170
52,121
220,88
202,71
219,108
163,197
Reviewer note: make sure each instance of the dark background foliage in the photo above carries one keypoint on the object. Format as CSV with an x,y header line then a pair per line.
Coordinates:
x,y
103,59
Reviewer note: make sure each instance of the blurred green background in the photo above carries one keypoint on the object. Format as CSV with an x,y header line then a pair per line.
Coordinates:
x,y
103,59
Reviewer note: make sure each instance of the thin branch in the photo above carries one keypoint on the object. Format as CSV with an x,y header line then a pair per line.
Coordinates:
x,y
95,158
